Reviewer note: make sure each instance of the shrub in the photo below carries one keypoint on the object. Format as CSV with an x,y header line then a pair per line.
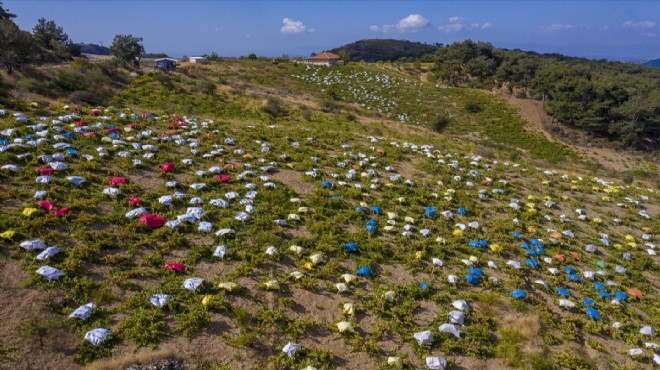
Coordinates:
x,y
473,107
441,123
207,87
145,328
273,107
193,320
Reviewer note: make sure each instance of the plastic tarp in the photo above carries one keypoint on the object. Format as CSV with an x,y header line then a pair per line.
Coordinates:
x,y
519,294
423,337
96,336
83,311
192,283
291,348
456,317
647,330
33,245
136,212
47,253
364,271
592,312
49,272
159,300
436,363
220,251
450,328
460,304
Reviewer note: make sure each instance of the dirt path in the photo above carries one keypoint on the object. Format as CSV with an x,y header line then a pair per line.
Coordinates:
x,y
609,158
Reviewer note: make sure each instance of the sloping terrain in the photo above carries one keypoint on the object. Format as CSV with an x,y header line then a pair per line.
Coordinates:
x,y
354,217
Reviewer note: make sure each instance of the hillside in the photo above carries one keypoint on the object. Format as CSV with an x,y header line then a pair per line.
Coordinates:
x,y
608,100
652,63
94,49
374,50
252,214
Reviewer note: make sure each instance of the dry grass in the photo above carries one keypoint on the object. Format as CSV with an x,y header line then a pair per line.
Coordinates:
x,y
529,327
142,357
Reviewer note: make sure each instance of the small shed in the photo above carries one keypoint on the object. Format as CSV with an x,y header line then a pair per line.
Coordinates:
x,y
165,64
197,60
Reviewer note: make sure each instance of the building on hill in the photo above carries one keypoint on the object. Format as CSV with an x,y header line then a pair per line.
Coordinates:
x,y
165,64
325,58
197,60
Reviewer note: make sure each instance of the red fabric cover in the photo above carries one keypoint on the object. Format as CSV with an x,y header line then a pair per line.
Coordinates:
x,y
61,212
174,266
134,200
167,167
44,170
116,181
223,178
153,221
46,204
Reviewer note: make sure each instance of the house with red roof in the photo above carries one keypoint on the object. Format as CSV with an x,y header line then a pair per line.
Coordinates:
x,y
325,58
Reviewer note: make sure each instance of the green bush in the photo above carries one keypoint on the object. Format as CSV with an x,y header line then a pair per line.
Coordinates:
x,y
145,327
473,107
440,123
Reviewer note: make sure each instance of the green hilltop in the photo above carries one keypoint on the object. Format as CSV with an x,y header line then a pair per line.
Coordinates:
x,y
374,50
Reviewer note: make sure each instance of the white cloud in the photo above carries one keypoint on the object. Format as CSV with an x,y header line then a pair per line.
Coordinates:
x,y
640,24
410,24
293,27
558,27
648,34
457,24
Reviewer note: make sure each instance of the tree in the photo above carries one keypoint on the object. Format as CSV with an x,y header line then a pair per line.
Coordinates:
x,y
16,46
343,56
5,14
127,49
48,35
53,43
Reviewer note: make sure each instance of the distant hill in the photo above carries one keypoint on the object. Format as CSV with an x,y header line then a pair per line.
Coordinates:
x,y
374,50
94,49
652,63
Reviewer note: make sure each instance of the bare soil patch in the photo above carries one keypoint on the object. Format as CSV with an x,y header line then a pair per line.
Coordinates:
x,y
294,180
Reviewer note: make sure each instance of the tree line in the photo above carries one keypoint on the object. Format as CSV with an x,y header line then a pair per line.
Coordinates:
x,y
48,43
619,101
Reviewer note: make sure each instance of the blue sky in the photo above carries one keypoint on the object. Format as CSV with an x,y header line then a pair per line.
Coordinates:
x,y
628,30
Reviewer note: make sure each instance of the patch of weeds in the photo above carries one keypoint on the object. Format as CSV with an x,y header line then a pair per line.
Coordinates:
x,y
193,319
596,345
540,361
508,347
245,339
574,360
88,352
7,354
145,327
